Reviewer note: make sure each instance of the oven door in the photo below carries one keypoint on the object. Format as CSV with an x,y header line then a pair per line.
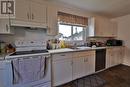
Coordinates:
x,y
6,75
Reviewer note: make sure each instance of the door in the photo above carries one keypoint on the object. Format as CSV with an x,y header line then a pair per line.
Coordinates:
x,y
78,67
38,12
62,72
22,10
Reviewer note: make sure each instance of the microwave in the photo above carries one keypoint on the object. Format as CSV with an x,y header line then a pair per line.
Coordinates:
x,y
114,42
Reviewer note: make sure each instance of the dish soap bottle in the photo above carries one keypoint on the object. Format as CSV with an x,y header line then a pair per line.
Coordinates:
x,y
62,44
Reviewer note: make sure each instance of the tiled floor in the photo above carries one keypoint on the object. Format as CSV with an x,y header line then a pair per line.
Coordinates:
x,y
118,76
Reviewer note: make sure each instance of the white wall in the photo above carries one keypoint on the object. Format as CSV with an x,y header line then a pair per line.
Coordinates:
x,y
124,34
38,34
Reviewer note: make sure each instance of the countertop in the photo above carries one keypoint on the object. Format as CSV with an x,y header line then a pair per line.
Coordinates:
x,y
65,50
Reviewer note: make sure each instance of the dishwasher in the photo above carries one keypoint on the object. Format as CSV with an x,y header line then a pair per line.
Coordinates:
x,y
100,59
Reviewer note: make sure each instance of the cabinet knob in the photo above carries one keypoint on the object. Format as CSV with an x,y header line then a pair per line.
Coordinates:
x,y
71,62
7,27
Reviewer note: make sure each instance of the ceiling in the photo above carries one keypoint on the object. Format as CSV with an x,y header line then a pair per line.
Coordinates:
x,y
109,8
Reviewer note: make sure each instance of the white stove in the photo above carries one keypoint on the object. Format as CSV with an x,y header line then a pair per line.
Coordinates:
x,y
29,48
26,50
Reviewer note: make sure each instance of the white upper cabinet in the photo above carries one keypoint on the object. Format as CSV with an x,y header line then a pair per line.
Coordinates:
x,y
30,14
5,27
38,12
52,20
22,10
102,27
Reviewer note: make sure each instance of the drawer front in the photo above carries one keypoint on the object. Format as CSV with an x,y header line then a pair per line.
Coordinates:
x,y
84,53
61,56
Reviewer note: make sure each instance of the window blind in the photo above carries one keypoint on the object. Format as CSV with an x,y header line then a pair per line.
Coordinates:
x,y
66,18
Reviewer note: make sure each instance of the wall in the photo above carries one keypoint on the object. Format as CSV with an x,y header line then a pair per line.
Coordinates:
x,y
38,34
124,34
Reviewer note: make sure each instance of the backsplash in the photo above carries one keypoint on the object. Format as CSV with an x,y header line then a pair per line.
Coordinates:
x,y
26,34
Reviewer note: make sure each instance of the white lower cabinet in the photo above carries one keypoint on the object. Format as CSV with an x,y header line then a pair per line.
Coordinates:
x,y
62,69
114,56
70,66
83,64
91,63
78,67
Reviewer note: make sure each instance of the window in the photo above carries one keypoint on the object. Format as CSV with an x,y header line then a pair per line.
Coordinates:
x,y
71,32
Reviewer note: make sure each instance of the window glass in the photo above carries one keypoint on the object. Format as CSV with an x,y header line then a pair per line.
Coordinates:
x,y
70,32
65,32
77,33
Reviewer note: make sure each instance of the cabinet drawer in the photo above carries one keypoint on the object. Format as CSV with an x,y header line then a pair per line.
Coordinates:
x,y
84,53
61,56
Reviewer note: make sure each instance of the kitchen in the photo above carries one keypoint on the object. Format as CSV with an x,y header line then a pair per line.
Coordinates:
x,y
93,46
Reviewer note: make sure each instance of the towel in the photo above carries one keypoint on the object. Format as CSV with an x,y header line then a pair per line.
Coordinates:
x,y
28,69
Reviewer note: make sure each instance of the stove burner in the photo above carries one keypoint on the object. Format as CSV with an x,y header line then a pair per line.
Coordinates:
x,y
29,52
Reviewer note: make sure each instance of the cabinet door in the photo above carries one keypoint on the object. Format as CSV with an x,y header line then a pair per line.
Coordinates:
x,y
104,27
101,26
78,67
112,29
120,55
62,72
109,58
38,12
91,59
52,21
86,67
22,10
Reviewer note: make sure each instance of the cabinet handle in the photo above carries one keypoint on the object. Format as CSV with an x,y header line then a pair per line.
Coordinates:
x,y
85,60
62,55
28,15
71,63
32,16
7,27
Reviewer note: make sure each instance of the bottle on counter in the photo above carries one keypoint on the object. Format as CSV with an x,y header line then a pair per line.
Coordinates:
x,y
2,47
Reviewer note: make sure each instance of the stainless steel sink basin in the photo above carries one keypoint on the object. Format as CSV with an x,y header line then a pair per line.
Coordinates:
x,y
83,47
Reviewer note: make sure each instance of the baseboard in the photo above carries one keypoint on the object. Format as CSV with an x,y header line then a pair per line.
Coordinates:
x,y
126,64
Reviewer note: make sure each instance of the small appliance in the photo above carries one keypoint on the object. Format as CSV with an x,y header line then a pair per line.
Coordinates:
x,y
114,42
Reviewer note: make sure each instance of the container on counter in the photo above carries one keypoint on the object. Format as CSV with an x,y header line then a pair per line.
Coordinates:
x,y
2,47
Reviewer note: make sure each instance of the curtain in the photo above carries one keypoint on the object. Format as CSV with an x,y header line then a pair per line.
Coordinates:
x,y
66,18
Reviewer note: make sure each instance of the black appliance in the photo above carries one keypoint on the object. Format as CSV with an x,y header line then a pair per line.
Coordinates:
x,y
114,42
29,52
100,59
